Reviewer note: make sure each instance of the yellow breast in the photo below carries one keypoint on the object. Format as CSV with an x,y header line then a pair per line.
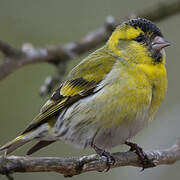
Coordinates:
x,y
156,74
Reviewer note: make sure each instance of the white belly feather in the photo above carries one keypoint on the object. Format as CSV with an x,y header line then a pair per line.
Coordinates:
x,y
76,126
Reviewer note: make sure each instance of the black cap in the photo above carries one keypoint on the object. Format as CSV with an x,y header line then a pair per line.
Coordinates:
x,y
145,25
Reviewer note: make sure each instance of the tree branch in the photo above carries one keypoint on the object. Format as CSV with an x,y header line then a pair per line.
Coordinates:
x,y
59,55
74,166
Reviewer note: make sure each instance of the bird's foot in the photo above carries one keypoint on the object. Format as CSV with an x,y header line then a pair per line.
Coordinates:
x,y
101,152
144,160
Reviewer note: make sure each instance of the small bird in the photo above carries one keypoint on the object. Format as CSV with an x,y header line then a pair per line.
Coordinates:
x,y
107,98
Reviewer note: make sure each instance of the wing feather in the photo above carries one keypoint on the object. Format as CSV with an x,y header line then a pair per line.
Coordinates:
x,y
70,92
81,82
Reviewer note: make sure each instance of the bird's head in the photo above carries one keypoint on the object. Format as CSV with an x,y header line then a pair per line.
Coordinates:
x,y
139,41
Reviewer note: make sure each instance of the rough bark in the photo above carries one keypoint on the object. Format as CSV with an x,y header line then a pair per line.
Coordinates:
x,y
78,165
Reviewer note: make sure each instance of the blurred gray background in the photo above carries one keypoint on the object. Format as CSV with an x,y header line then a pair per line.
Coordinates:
x,y
43,22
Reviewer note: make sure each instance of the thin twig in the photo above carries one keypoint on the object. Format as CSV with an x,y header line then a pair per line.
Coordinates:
x,y
74,166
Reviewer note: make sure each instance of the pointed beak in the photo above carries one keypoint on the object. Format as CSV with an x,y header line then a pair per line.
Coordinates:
x,y
159,43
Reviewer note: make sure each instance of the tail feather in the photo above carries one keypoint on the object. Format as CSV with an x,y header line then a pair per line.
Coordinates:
x,y
25,138
14,144
38,146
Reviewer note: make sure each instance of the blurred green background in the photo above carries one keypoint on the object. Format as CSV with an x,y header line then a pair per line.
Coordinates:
x,y
43,22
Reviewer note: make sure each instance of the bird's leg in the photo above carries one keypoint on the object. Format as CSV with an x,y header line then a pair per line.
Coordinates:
x,y
108,155
145,161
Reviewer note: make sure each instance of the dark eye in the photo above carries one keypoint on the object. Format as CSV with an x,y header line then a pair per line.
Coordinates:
x,y
140,38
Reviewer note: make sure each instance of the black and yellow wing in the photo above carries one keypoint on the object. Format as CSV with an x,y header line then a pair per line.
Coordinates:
x,y
81,83
68,93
